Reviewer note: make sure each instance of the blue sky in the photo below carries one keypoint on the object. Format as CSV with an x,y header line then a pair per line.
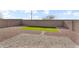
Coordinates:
x,y
39,14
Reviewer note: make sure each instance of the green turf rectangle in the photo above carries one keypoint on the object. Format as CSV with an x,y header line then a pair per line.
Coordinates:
x,y
48,29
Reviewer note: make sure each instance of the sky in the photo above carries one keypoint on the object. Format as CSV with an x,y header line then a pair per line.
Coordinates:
x,y
39,14
39,4
61,9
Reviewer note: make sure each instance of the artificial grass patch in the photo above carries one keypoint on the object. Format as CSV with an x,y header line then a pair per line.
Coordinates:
x,y
48,29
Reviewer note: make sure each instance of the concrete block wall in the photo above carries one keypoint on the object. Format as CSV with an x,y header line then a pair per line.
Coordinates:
x,y
3,23
76,26
68,24
9,22
72,25
13,22
47,23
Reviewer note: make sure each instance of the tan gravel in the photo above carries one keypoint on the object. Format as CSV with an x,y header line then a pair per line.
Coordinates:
x,y
14,37
37,41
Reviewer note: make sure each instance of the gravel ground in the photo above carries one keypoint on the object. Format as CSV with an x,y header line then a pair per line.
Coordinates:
x,y
13,37
37,41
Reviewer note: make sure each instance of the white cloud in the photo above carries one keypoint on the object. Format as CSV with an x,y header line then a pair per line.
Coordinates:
x,y
34,11
6,14
27,11
46,11
76,14
1,16
71,13
67,13
36,17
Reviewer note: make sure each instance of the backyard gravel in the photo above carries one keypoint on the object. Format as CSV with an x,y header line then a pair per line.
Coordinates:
x,y
14,37
37,41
